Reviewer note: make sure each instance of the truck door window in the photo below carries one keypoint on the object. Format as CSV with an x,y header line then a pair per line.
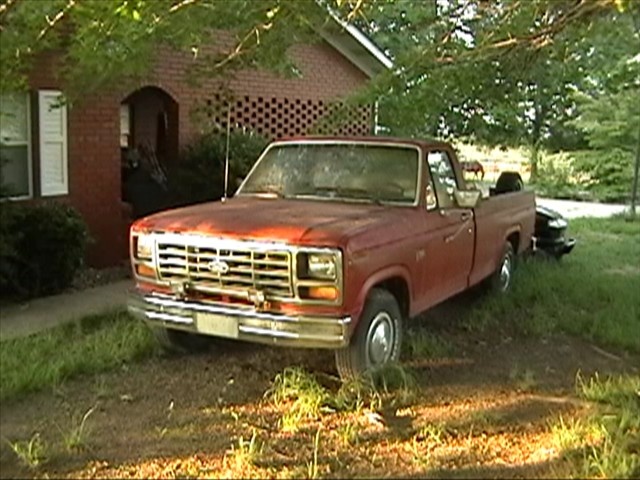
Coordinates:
x,y
443,179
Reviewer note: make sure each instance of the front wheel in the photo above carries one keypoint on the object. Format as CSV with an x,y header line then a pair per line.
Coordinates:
x,y
179,341
377,339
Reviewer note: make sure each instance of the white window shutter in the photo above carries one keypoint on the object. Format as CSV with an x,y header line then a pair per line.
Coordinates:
x,y
54,176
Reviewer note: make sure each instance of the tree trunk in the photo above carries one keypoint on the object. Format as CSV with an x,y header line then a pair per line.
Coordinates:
x,y
635,16
636,173
535,153
536,136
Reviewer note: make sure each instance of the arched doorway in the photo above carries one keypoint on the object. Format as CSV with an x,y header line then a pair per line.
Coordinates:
x,y
149,144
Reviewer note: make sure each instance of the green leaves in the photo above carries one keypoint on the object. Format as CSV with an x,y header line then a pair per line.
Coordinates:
x,y
107,44
494,72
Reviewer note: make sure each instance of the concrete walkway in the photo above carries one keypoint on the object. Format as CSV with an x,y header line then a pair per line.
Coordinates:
x,y
43,313
574,209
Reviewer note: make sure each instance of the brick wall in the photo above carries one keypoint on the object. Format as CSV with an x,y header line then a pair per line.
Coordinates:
x,y
94,166
294,106
325,76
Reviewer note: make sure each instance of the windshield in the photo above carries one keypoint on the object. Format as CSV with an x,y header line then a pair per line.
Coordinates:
x,y
348,172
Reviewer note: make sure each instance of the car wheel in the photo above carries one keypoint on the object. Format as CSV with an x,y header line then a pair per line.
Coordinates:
x,y
377,339
179,341
502,279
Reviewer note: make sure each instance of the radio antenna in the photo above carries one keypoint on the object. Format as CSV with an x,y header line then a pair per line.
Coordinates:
x,y
226,155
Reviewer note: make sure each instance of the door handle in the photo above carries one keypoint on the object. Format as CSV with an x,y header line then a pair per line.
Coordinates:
x,y
464,216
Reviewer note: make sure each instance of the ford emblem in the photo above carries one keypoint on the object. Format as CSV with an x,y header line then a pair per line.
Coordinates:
x,y
218,266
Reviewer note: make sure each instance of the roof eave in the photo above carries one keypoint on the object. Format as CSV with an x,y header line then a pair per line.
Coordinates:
x,y
356,46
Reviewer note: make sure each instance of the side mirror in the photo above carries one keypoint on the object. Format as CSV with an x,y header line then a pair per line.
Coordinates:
x,y
467,198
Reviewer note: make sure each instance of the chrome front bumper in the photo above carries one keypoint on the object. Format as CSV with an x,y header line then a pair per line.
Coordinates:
x,y
240,323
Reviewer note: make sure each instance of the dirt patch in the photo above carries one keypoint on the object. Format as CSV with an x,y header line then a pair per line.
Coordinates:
x,y
485,410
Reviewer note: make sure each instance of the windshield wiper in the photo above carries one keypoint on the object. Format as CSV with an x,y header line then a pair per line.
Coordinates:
x,y
337,193
376,200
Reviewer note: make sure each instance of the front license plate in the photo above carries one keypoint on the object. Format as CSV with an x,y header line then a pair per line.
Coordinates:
x,y
218,325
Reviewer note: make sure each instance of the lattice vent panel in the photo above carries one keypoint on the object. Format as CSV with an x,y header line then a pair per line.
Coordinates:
x,y
285,117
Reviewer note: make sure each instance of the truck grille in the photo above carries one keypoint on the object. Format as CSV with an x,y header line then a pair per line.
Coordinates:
x,y
227,269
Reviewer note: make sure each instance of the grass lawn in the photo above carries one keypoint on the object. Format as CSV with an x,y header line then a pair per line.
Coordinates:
x,y
94,344
593,293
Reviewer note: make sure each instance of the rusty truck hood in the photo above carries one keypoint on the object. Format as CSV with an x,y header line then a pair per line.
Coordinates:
x,y
283,220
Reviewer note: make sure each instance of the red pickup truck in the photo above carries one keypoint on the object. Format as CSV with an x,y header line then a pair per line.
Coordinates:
x,y
330,243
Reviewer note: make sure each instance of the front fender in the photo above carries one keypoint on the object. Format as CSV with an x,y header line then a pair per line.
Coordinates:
x,y
393,271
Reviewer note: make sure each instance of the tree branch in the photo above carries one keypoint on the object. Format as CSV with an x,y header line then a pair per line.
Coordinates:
x,y
6,6
51,23
238,50
181,4
537,40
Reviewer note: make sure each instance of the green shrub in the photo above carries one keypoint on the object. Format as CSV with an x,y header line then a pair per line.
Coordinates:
x,y
611,172
41,247
199,175
603,175
557,177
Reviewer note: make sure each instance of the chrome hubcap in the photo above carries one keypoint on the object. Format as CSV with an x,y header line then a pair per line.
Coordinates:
x,y
380,340
505,273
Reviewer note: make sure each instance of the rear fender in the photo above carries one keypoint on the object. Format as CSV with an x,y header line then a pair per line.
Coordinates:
x,y
399,271
518,247
500,248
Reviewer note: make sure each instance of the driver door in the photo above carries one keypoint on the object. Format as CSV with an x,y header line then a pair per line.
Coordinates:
x,y
448,233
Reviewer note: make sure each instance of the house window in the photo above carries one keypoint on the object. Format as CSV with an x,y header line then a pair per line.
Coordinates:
x,y
16,159
54,176
15,146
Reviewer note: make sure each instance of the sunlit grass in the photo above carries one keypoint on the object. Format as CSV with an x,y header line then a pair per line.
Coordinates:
x,y
32,453
245,454
302,390
604,444
617,391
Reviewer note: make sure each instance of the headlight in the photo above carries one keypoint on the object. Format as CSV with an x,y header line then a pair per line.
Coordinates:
x,y
558,223
321,265
144,247
319,275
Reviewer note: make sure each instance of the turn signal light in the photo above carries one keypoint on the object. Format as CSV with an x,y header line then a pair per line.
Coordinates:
x,y
323,293
145,271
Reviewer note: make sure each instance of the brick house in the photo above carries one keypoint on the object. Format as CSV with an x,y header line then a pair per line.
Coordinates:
x,y
73,153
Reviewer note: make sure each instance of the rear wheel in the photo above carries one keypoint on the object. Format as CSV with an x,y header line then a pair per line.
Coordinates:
x,y
377,339
502,278
179,341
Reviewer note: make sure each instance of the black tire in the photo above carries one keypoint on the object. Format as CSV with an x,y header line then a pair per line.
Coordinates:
x,y
377,339
509,182
179,341
502,278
